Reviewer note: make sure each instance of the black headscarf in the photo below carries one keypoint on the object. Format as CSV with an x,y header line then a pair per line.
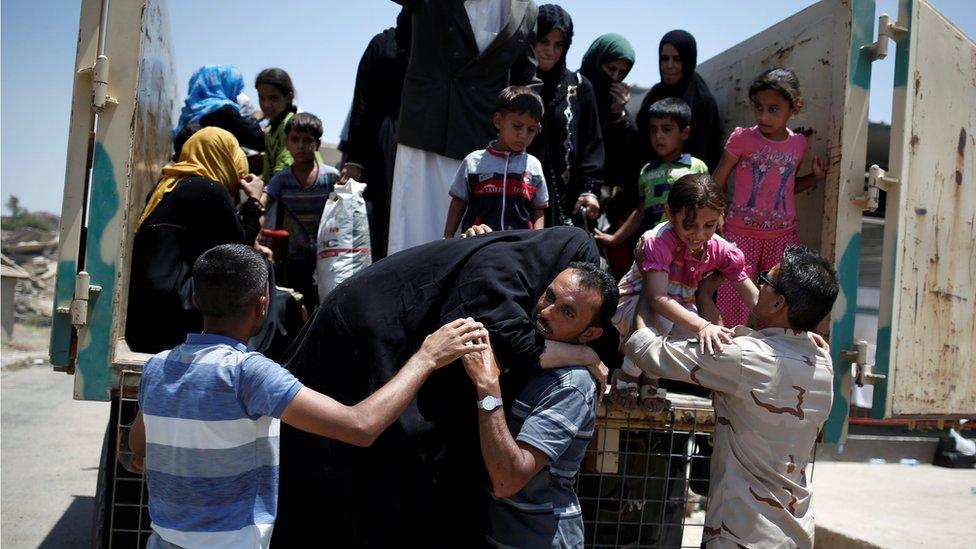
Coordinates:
x,y
705,142
553,17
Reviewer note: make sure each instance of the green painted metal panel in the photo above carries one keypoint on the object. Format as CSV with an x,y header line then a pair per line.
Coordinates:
x,y
132,142
61,328
847,254
94,358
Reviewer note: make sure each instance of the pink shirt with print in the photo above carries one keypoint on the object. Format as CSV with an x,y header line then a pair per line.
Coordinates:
x,y
664,251
762,204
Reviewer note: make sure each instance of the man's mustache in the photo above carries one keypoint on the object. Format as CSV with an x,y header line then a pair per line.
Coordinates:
x,y
542,326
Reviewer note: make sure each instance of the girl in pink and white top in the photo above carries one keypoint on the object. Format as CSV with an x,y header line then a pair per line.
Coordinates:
x,y
672,260
765,157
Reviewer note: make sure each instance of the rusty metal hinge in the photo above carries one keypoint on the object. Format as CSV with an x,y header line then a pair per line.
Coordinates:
x,y
877,180
99,77
863,372
886,30
84,291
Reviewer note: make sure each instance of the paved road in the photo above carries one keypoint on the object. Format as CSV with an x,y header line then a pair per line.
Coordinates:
x,y
50,447
894,506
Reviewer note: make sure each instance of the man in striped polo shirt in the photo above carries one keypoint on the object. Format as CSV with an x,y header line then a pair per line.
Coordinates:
x,y
533,458
208,424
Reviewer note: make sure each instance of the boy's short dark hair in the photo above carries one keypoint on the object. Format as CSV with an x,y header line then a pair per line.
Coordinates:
x,y
591,277
673,108
305,122
227,279
808,282
520,100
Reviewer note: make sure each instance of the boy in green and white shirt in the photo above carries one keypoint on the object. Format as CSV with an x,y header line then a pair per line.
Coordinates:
x,y
669,128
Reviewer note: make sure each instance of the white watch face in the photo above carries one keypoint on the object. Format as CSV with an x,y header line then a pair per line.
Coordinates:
x,y
489,403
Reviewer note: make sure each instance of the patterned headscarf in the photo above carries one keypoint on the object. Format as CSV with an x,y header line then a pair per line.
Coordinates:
x,y
211,87
213,153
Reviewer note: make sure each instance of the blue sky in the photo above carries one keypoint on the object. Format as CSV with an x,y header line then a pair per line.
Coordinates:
x,y
319,44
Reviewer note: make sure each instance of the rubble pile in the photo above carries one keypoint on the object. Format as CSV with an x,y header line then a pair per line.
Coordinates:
x,y
32,252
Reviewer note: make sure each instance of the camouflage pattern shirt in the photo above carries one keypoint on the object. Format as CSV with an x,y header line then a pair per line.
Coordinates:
x,y
772,393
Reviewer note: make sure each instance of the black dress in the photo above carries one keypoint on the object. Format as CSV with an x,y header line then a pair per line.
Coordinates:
x,y
421,483
570,146
371,141
192,218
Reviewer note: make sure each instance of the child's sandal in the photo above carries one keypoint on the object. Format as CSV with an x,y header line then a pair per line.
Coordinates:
x,y
654,399
625,394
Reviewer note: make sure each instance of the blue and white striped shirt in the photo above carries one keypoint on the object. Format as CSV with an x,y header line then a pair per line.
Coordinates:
x,y
210,409
555,413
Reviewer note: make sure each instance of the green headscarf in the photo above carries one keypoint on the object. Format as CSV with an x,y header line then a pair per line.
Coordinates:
x,y
604,49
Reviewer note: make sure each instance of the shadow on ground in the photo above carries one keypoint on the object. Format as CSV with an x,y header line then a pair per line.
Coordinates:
x,y
74,528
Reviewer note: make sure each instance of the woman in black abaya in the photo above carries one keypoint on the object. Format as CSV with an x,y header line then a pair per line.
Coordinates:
x,y
678,57
570,146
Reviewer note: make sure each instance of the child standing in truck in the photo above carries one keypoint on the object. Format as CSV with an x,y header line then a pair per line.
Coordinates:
x,y
762,218
296,196
502,186
276,95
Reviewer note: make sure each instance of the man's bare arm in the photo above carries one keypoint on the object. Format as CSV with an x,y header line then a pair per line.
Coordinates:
x,y
510,464
136,444
362,424
559,355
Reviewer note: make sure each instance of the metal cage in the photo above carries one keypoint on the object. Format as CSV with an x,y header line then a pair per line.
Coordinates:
x,y
127,523
644,480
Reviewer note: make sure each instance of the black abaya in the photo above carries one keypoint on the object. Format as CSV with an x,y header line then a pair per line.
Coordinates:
x,y
705,142
422,483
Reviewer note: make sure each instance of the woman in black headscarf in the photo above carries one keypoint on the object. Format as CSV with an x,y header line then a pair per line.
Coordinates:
x,y
570,146
678,57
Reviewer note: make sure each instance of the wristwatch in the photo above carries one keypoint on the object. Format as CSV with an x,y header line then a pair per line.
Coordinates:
x,y
489,403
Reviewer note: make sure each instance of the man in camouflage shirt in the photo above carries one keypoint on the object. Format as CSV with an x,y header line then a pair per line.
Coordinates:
x,y
772,393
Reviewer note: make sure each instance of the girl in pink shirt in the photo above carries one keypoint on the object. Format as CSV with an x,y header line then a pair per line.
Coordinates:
x,y
762,218
672,260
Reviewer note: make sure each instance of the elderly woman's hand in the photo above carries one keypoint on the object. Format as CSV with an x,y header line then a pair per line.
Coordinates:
x,y
252,185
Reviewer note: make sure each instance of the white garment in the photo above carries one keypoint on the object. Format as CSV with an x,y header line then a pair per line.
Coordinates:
x,y
487,18
419,199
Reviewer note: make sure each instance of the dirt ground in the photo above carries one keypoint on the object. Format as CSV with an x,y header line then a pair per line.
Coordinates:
x,y
49,449
27,347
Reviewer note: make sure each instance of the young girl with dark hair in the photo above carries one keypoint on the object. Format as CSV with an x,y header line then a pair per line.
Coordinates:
x,y
276,95
765,157
673,259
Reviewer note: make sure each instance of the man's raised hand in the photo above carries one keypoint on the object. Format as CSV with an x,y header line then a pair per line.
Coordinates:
x,y
482,367
454,340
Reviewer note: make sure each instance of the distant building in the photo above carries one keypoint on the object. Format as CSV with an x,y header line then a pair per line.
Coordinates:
x,y
10,274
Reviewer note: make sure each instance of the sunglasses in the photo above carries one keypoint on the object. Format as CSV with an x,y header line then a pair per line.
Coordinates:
x,y
764,279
